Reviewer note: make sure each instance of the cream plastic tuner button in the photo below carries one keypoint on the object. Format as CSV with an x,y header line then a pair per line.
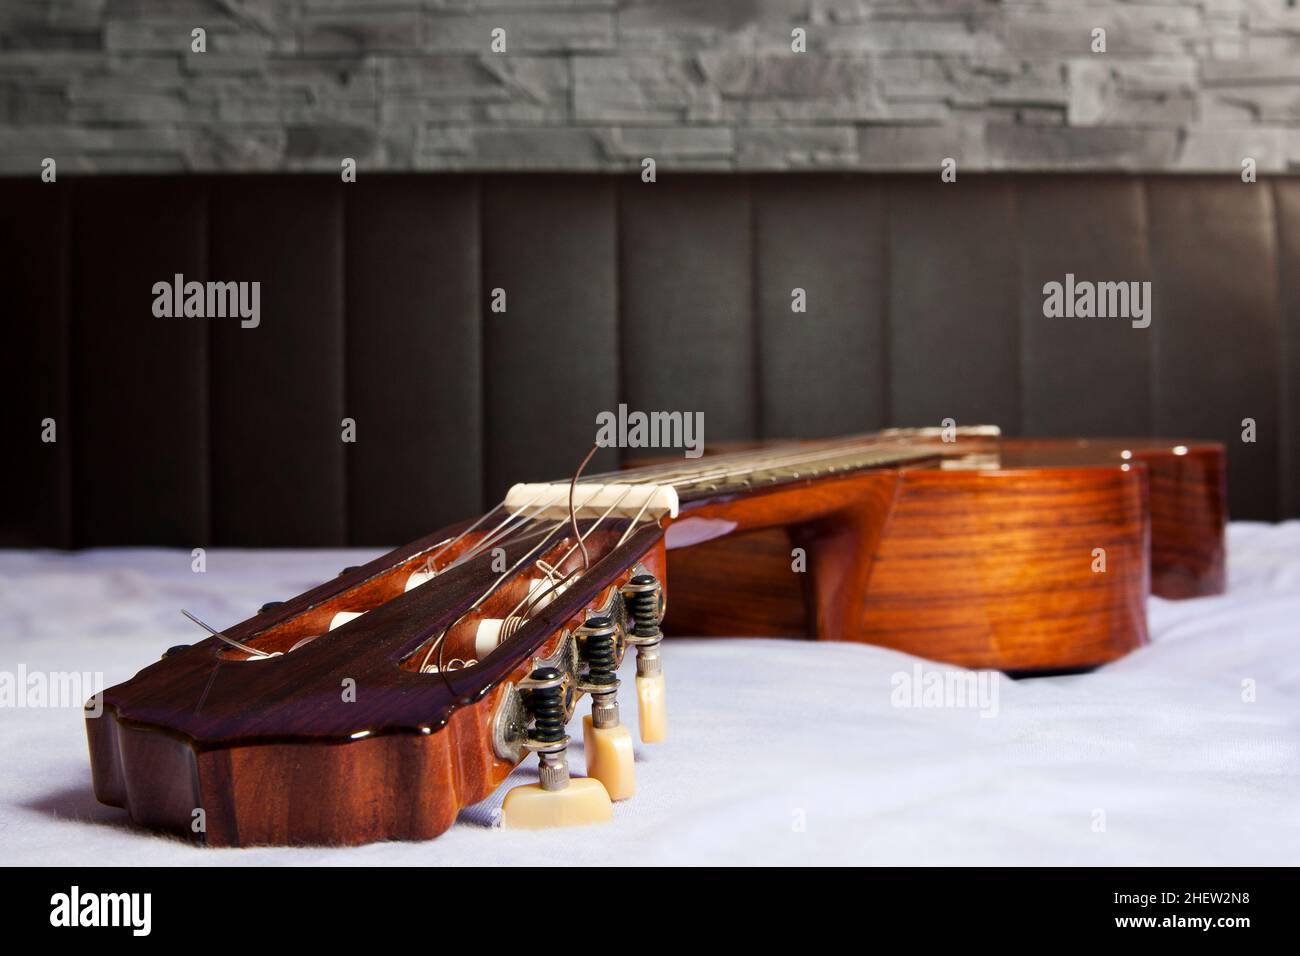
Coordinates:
x,y
555,800
609,758
582,801
652,708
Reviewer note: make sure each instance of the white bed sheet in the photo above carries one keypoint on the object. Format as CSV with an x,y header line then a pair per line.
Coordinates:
x,y
780,752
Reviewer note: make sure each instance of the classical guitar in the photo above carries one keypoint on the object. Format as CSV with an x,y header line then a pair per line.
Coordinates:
x,y
377,705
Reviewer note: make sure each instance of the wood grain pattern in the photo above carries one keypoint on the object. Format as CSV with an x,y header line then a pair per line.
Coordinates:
x,y
271,752
982,567
1013,586
977,562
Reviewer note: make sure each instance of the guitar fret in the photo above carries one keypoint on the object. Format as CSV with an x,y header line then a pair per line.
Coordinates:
x,y
778,472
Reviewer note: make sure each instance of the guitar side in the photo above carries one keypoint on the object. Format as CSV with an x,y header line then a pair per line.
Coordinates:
x,y
1041,563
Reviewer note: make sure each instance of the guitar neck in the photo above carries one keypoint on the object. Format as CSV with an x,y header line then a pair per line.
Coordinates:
x,y
757,469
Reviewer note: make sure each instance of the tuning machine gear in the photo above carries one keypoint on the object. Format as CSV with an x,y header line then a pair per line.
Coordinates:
x,y
606,742
646,604
556,800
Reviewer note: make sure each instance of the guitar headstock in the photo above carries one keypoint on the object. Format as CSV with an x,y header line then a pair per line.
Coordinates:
x,y
312,721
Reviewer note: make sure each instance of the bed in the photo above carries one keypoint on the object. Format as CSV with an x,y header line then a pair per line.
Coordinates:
x,y
780,752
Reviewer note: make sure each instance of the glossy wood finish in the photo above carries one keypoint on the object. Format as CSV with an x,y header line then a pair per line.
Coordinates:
x,y
1012,587
1188,499
956,556
985,567
272,752
741,585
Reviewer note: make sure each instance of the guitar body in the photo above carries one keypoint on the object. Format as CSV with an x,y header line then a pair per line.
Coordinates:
x,y
991,565
294,728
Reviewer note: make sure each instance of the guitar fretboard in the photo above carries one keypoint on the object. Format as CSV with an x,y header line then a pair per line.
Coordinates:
x,y
795,467
656,489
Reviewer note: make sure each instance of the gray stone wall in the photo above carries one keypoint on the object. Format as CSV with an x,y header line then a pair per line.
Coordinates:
x,y
113,85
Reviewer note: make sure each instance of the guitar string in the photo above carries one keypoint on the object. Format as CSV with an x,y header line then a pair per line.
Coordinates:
x,y
819,459
766,457
648,474
504,532
716,467
777,455
482,544
583,537
440,641
824,452
821,453
573,514
891,436
246,648
673,467
756,460
803,451
441,638
579,543
429,566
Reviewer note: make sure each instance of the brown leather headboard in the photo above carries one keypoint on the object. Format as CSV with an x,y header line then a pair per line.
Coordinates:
x,y
924,301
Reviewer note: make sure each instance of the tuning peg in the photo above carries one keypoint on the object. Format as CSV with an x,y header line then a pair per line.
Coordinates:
x,y
651,705
644,597
606,742
557,800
